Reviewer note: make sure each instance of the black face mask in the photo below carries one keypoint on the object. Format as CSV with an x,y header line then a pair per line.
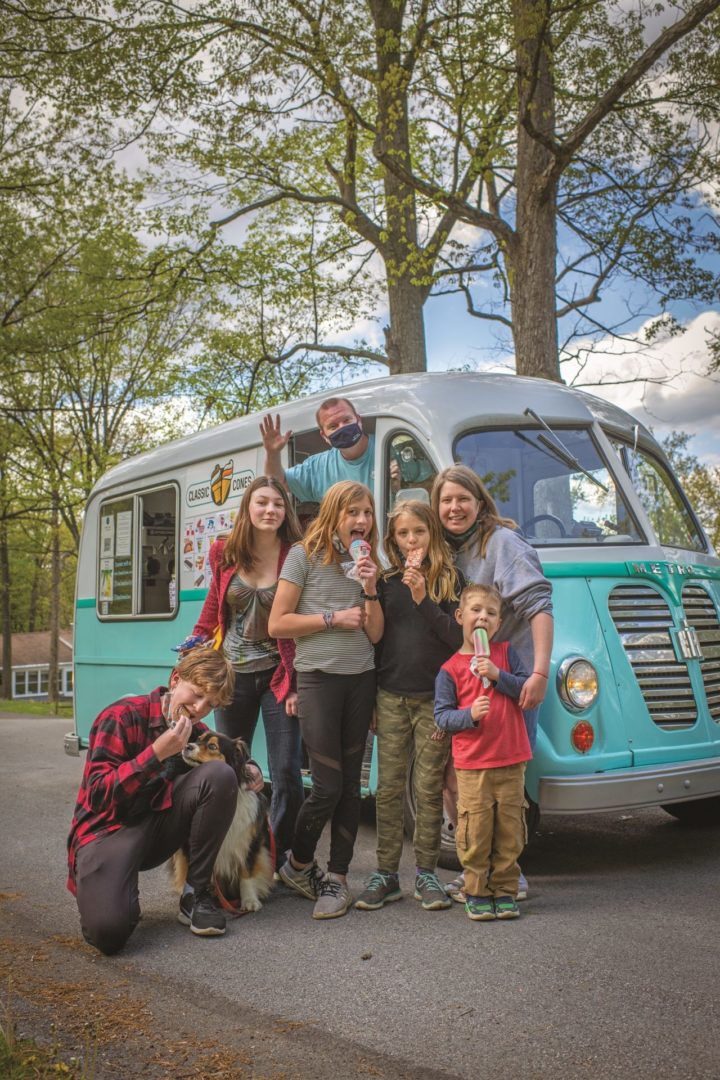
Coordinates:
x,y
345,437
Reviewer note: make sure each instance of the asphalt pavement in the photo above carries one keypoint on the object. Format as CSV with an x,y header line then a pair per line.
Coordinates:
x,y
612,970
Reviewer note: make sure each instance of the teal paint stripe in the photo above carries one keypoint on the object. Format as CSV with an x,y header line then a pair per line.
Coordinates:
x,y
185,594
585,569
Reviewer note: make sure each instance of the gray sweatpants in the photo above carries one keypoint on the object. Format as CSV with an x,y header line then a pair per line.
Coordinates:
x,y
106,869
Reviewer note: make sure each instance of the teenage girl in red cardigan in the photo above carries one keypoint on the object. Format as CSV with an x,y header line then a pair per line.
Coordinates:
x,y
245,570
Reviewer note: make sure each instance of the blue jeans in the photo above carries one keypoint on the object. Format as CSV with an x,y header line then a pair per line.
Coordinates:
x,y
530,717
282,736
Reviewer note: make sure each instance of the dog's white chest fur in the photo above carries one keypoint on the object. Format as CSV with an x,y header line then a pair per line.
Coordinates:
x,y
231,863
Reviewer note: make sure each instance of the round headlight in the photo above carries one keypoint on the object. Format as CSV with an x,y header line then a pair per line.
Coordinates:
x,y
577,682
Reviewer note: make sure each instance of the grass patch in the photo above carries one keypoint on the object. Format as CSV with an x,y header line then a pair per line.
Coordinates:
x,y
23,1059
36,708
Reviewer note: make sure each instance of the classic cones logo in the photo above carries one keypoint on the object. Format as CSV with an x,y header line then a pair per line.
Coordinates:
x,y
220,481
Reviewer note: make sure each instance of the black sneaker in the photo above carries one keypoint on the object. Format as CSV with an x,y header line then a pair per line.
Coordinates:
x,y
201,914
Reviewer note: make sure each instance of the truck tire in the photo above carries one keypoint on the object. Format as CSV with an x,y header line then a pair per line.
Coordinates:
x,y
697,812
448,855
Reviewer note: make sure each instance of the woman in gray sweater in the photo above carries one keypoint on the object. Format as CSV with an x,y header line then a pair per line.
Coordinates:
x,y
490,551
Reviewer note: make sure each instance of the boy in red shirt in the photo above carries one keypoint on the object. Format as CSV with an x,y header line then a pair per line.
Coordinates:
x,y
490,749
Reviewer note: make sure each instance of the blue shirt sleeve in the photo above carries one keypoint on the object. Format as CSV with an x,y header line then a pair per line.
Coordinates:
x,y
302,481
511,682
447,715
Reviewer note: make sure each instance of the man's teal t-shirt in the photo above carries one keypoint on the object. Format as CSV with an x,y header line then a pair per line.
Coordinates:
x,y
309,480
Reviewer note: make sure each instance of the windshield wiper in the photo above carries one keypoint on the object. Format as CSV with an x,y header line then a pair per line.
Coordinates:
x,y
561,451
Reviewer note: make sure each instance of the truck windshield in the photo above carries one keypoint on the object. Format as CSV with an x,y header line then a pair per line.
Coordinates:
x,y
555,497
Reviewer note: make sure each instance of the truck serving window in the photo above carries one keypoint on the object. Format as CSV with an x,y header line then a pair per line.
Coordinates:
x,y
662,499
564,494
136,559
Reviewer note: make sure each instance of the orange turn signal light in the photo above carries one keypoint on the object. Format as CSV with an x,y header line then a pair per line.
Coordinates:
x,y
582,736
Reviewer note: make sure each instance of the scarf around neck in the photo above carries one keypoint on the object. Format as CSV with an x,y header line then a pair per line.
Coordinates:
x,y
457,540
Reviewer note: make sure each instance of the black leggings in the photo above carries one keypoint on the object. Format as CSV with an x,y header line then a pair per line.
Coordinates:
x,y
334,713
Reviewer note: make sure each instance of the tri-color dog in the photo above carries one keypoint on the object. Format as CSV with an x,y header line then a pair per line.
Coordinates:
x,y
243,874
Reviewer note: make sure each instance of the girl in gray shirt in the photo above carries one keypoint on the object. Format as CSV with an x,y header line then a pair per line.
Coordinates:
x,y
329,604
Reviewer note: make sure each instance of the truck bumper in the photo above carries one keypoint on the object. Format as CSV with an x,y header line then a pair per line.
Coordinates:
x,y
71,744
630,788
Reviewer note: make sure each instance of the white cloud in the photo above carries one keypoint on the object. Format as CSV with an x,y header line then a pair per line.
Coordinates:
x,y
682,397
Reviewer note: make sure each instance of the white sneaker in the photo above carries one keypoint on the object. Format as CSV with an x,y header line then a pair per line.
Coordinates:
x,y
306,881
333,899
456,888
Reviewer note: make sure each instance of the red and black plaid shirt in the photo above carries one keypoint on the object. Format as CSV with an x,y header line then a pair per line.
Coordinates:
x,y
122,780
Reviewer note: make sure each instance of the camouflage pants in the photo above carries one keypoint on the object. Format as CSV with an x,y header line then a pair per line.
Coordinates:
x,y
403,722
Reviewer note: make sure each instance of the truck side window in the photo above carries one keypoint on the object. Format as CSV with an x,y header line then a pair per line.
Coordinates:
x,y
410,470
137,567
662,499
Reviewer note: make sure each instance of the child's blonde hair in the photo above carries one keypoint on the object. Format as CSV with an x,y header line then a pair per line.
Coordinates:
x,y
210,671
442,578
320,535
488,591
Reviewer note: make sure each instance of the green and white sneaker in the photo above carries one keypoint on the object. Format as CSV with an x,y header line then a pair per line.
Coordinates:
x,y
380,889
480,908
506,907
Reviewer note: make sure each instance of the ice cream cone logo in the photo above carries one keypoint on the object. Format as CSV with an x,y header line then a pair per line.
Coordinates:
x,y
220,481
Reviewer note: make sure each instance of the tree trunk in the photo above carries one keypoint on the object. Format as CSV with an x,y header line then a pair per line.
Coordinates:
x,y
532,260
5,616
405,336
404,259
55,575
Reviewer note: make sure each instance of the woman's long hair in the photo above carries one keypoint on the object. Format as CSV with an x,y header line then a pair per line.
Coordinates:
x,y
239,545
320,534
442,580
488,518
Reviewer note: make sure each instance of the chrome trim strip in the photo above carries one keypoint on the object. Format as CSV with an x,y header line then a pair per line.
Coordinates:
x,y
626,789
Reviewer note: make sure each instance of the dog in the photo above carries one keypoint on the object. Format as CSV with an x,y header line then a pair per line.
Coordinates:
x,y
243,873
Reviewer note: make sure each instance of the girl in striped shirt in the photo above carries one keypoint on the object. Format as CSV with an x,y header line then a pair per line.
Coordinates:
x,y
336,619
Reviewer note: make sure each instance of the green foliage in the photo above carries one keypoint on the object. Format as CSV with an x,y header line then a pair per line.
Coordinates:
x,y
701,483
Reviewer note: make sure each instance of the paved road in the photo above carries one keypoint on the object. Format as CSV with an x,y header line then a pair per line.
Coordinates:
x,y
613,968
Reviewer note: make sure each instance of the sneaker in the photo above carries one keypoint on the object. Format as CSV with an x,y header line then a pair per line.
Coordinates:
x,y
456,888
480,908
506,907
306,882
380,889
333,899
430,891
202,914
522,893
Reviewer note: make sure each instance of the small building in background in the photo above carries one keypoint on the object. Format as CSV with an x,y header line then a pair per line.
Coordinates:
x,y
31,665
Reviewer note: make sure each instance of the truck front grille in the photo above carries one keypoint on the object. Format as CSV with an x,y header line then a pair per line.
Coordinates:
x,y
642,619
701,613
